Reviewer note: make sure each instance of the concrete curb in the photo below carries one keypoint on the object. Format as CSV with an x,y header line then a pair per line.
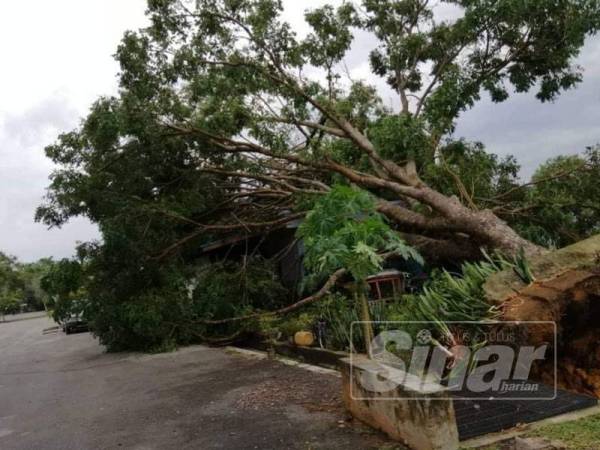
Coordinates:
x,y
20,317
289,362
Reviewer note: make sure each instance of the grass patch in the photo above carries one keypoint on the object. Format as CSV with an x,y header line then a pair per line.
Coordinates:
x,y
582,434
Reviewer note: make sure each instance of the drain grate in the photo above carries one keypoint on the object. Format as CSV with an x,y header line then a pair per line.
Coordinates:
x,y
478,417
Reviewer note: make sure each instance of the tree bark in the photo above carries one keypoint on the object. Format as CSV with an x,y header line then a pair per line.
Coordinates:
x,y
488,230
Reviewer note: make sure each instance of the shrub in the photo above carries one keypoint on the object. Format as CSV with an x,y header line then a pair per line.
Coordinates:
x,y
9,305
448,297
164,307
339,312
153,320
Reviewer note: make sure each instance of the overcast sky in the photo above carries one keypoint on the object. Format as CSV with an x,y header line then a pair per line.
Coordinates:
x,y
57,61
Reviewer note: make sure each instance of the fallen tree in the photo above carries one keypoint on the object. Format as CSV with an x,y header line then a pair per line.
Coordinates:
x,y
273,117
229,120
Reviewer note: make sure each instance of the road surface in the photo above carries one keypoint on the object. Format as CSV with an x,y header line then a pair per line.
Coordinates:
x,y
64,392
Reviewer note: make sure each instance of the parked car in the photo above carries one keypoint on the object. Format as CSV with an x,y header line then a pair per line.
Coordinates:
x,y
75,324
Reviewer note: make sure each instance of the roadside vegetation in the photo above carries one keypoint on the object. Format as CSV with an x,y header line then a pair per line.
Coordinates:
x,y
20,285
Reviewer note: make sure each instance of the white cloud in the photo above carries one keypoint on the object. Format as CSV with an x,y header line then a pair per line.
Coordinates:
x,y
535,131
56,62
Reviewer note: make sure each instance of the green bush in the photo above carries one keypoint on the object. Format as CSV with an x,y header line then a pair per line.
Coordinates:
x,y
9,305
223,290
339,312
151,321
161,308
448,297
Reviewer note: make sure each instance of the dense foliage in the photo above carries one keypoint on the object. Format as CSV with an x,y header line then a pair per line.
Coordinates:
x,y
446,299
223,290
561,206
345,231
11,286
161,307
460,297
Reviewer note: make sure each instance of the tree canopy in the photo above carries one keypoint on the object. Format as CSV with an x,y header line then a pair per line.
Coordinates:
x,y
560,205
231,104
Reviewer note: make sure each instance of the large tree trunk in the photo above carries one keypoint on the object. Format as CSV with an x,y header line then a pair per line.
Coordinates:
x,y
502,237
447,218
482,226
482,229
490,231
456,231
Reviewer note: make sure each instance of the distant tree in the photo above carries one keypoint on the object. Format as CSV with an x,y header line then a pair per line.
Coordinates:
x,y
11,285
31,274
10,303
9,275
560,206
22,281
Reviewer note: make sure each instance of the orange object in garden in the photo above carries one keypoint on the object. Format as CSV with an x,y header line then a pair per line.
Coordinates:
x,y
304,338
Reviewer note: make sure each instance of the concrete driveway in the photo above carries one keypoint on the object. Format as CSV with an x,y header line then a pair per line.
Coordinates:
x,y
63,392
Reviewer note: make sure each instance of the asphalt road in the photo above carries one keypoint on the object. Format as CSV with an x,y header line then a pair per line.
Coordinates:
x,y
64,392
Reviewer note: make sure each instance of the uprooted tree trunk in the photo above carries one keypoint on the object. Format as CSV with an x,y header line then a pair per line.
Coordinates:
x,y
449,215
463,231
565,297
